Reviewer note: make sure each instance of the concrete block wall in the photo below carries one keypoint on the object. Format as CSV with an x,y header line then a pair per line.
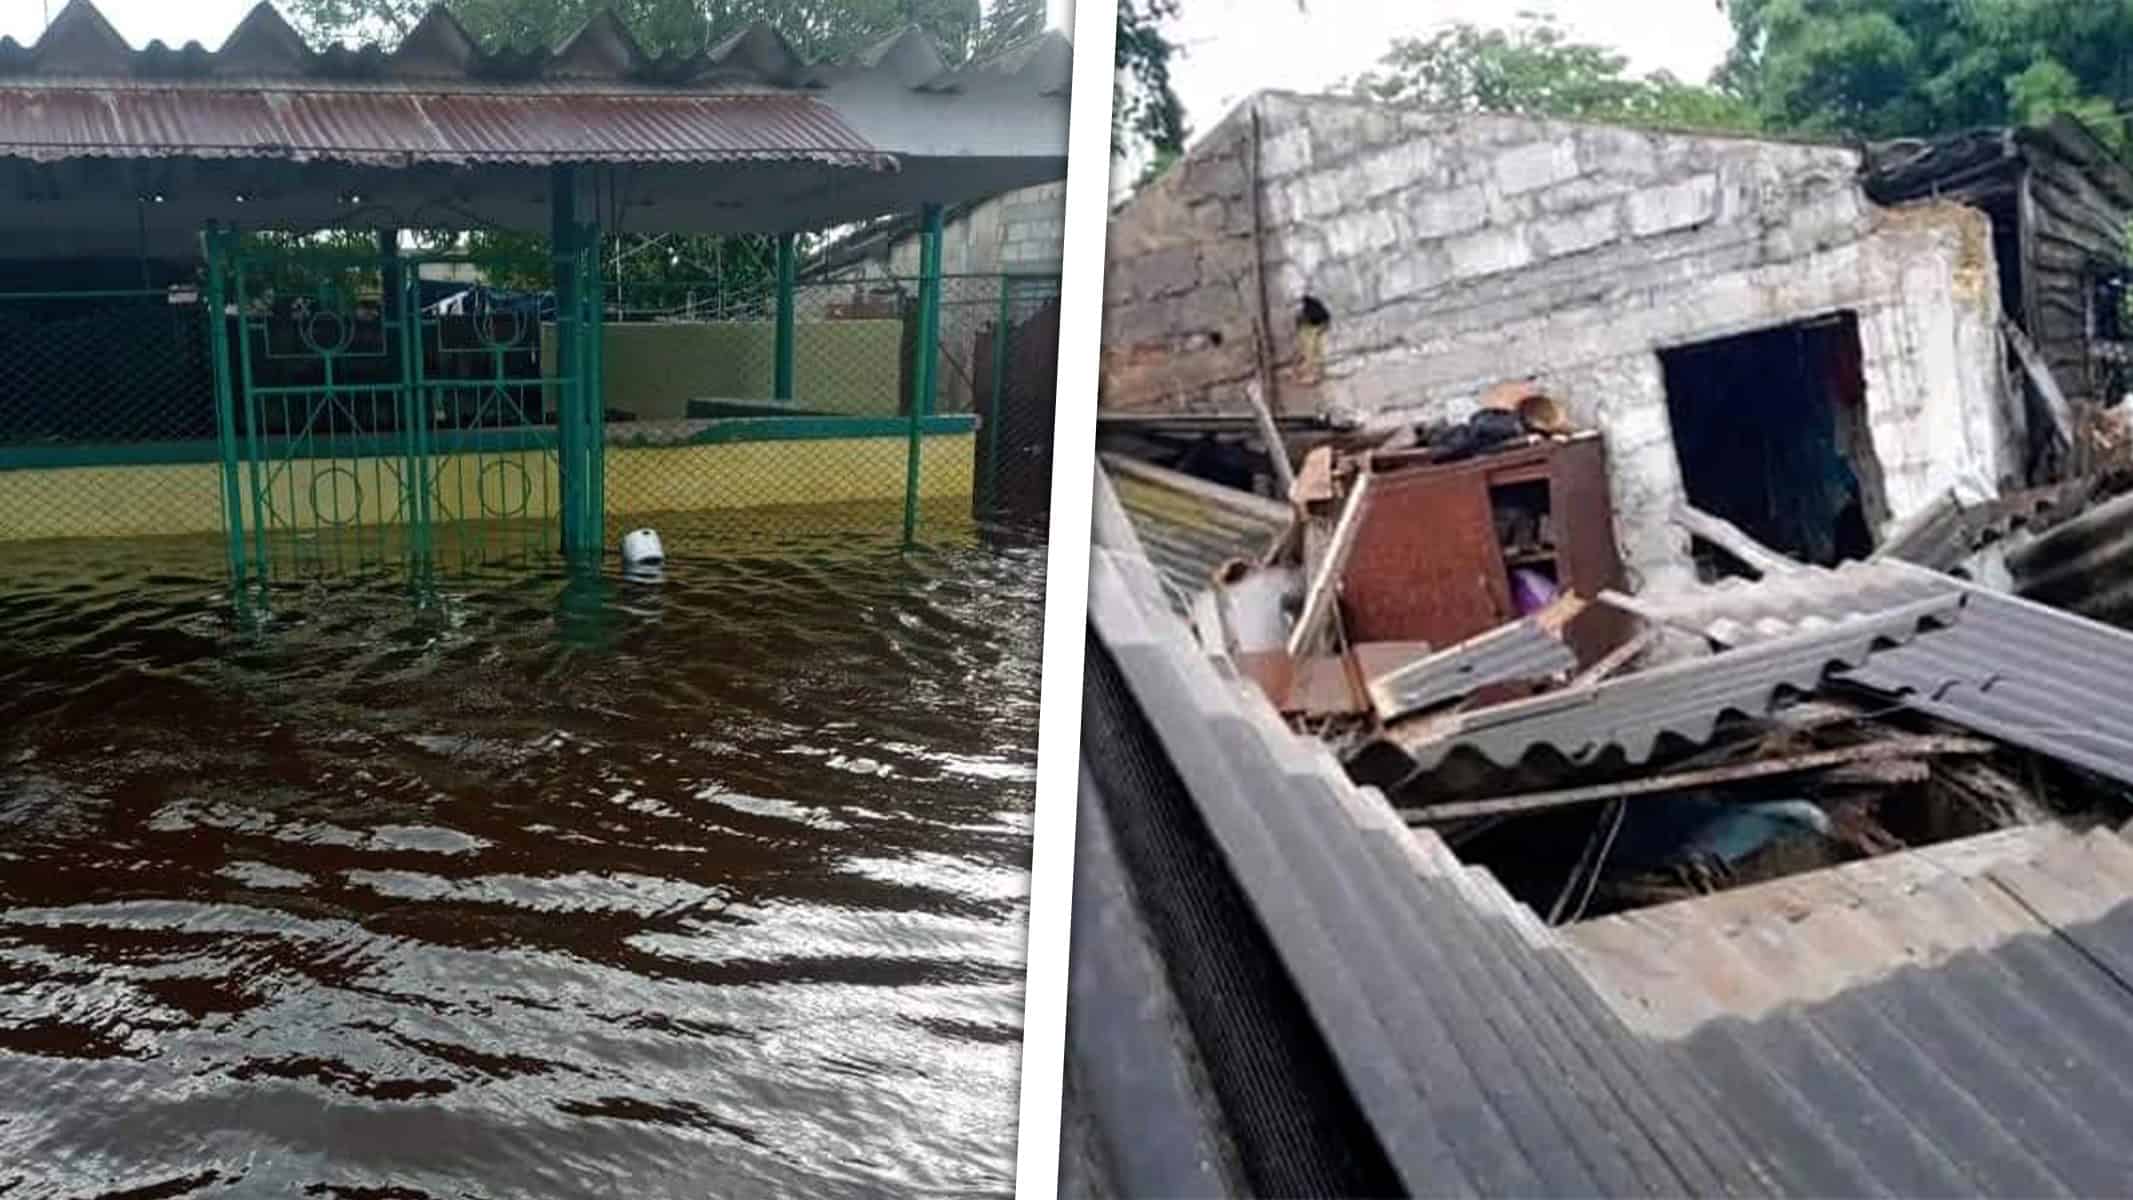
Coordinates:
x,y
1016,232
1456,251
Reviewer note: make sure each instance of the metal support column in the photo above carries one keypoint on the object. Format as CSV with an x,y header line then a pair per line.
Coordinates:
x,y
996,415
217,244
782,386
569,388
922,375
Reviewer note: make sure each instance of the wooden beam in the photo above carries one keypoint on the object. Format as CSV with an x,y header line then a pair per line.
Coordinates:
x,y
1728,537
1906,747
2040,376
1318,601
1615,658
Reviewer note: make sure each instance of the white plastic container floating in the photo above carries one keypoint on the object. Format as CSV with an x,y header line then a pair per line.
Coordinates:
x,y
642,548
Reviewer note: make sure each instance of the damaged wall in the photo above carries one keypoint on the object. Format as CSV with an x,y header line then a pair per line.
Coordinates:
x,y
1455,251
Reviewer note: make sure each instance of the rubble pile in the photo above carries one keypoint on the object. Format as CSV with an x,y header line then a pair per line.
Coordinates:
x,y
1444,609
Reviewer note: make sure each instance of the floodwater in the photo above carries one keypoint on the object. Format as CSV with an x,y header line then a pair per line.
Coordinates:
x,y
713,885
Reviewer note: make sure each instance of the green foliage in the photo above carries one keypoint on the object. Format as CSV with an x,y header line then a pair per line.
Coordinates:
x,y
818,29
1534,67
1911,68
1008,23
1145,111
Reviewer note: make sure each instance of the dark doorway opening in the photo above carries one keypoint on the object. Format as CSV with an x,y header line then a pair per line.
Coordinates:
x,y
1771,431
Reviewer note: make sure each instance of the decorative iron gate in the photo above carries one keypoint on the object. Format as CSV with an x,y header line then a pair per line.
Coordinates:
x,y
359,424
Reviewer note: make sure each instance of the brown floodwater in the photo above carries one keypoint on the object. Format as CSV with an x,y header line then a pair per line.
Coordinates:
x,y
708,885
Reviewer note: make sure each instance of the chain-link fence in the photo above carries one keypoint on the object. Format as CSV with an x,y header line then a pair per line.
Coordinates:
x,y
107,415
706,413
346,406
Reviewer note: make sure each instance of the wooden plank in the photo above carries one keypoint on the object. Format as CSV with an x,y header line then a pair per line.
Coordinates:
x,y
2040,376
1727,536
1277,451
1906,747
1318,601
1593,675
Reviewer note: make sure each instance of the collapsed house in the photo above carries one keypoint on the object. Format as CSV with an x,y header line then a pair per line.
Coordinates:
x,y
1630,627
1739,316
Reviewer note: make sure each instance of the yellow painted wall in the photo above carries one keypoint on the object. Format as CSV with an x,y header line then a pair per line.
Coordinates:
x,y
136,501
849,368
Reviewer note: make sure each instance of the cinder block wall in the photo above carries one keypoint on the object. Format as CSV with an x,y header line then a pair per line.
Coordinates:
x,y
1458,251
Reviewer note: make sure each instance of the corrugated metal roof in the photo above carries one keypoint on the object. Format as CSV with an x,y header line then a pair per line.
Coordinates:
x,y
1513,653
1485,1061
402,128
1189,527
438,97
1624,719
1944,534
2052,681
1736,612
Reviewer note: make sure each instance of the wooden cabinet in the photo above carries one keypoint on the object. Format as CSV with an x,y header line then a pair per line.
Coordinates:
x,y
1435,552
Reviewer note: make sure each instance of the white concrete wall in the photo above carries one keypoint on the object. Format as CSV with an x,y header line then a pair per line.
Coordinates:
x,y
1459,251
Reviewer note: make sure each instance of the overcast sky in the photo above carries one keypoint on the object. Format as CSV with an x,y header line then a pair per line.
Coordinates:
x,y
1232,48
179,21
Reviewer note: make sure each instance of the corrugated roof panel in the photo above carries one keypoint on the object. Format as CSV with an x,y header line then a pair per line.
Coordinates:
x,y
1513,653
1189,527
398,128
1627,717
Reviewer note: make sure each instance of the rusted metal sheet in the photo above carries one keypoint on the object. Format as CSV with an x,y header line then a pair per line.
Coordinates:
x,y
397,128
1425,566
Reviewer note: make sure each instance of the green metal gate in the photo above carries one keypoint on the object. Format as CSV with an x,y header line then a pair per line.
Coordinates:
x,y
360,427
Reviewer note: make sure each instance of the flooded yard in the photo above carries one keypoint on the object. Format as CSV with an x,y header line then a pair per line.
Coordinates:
x,y
713,884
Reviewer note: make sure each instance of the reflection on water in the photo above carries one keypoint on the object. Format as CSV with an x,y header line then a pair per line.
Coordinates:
x,y
709,883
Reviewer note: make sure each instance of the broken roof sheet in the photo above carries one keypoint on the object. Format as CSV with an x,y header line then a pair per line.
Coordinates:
x,y
2054,682
1190,527
1520,651
1736,612
1484,1060
1625,719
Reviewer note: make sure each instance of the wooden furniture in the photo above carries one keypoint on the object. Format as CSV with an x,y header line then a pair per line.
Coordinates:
x,y
1430,563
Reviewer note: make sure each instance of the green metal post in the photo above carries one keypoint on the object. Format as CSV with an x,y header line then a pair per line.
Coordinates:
x,y
929,336
997,416
781,388
218,340
569,388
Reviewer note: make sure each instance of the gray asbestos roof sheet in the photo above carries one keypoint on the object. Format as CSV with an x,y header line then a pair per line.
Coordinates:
x,y
1189,527
1487,1063
1625,719
1516,652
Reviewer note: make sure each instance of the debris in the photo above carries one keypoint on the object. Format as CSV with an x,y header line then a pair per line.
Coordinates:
x,y
1911,747
1728,537
1318,601
1528,651
2061,437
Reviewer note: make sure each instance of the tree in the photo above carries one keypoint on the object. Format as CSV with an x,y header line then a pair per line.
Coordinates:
x,y
817,29
1534,67
1145,111
1007,24
1910,68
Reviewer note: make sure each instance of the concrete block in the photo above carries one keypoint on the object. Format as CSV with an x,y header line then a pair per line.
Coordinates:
x,y
1535,165
1319,196
1619,153
1682,205
1488,252
1363,231
1284,154
1577,232
1167,272
1586,191
1444,213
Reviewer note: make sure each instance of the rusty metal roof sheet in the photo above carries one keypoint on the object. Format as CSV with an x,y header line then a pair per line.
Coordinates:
x,y
1190,527
403,128
439,97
